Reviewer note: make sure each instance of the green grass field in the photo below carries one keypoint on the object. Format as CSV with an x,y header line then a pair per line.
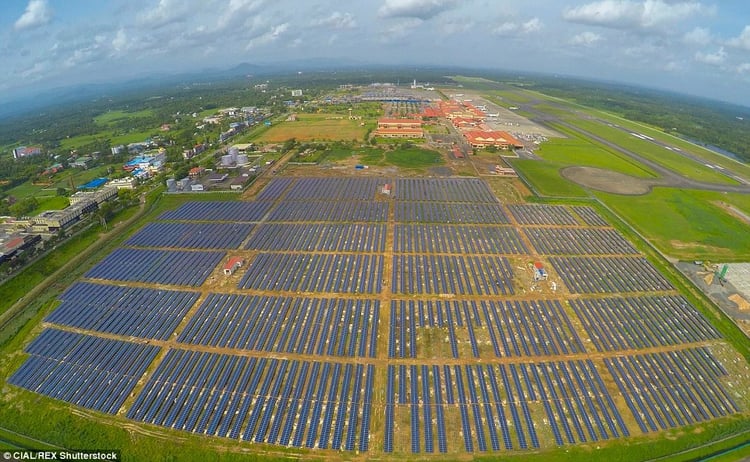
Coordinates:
x,y
685,223
670,159
61,180
110,117
576,150
545,178
674,158
414,158
50,203
105,134
315,127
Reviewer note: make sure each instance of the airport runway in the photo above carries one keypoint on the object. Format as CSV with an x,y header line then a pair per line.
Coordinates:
x,y
667,177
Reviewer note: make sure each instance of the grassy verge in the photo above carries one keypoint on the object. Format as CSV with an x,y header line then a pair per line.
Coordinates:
x,y
576,150
685,223
674,161
414,158
544,177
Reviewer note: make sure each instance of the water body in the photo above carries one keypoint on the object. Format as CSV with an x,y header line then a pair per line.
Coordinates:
x,y
715,149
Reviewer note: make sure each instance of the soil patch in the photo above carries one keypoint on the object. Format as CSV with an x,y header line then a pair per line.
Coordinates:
x,y
742,304
607,180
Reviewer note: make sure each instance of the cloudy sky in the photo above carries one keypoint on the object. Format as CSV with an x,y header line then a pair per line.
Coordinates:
x,y
701,47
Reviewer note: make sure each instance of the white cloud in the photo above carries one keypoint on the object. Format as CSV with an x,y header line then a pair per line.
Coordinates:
x,y
585,39
532,25
336,20
166,12
743,68
421,9
698,36
271,35
456,25
120,41
515,28
714,59
743,41
37,14
628,14
400,29
35,72
237,11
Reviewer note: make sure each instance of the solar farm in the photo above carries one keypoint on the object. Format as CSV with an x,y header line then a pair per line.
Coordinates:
x,y
425,317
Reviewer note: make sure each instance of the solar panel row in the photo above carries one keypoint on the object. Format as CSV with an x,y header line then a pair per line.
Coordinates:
x,y
471,190
577,241
609,274
493,403
590,216
333,327
314,273
321,210
642,322
448,212
261,400
457,239
670,389
91,372
440,274
130,311
536,214
359,237
191,235
520,328
360,189
157,266
219,211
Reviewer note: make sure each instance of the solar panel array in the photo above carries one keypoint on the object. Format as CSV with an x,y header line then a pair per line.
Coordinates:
x,y
293,349
219,211
642,322
191,235
128,311
320,326
91,372
494,406
440,274
670,389
457,239
319,237
286,402
514,328
576,241
175,267
339,273
586,275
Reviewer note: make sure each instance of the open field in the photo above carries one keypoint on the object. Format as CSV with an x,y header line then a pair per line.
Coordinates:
x,y
545,178
413,158
685,224
61,180
318,127
670,159
576,150
112,117
115,138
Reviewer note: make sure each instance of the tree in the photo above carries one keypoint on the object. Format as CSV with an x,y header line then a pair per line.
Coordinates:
x,y
24,207
62,192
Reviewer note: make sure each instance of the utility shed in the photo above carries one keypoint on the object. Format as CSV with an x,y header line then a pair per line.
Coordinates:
x,y
233,265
